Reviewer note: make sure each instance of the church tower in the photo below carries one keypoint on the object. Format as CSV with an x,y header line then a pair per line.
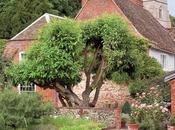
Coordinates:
x,y
159,9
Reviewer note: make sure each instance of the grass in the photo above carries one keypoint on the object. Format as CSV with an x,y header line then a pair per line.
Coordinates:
x,y
66,123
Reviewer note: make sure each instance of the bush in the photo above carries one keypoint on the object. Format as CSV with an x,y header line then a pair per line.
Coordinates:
x,y
137,87
126,109
21,110
120,77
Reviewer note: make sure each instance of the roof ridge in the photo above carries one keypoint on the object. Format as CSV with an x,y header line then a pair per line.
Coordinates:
x,y
47,18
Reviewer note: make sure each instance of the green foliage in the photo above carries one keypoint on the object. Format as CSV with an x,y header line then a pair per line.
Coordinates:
x,y
172,18
71,123
120,78
66,7
2,46
108,47
126,109
67,123
172,120
21,110
4,80
135,87
17,14
150,110
55,57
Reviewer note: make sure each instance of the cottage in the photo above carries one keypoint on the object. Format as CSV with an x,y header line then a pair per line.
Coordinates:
x,y
17,46
149,19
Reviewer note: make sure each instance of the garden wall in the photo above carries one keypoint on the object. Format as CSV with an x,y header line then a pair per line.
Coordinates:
x,y
111,117
111,94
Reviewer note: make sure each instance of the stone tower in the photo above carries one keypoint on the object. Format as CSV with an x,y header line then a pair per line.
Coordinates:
x,y
159,9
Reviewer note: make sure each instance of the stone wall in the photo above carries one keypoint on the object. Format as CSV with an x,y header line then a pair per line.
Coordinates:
x,y
111,94
111,117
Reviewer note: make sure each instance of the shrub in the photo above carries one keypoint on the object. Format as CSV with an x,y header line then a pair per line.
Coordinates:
x,y
172,120
120,77
21,110
137,87
150,110
126,109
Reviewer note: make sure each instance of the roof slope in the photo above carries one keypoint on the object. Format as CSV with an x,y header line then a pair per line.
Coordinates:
x,y
147,25
172,32
30,32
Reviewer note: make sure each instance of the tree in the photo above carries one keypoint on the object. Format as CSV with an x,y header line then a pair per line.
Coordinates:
x,y
172,18
17,14
99,48
4,80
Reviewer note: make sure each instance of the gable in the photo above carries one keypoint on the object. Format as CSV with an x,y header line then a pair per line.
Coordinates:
x,y
95,8
30,32
139,19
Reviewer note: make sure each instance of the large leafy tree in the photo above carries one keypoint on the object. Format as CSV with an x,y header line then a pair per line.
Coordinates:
x,y
102,48
15,15
4,80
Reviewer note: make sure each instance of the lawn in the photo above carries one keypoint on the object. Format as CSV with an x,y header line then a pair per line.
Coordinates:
x,y
66,123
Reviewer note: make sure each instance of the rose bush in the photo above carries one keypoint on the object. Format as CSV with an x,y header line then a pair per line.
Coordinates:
x,y
149,110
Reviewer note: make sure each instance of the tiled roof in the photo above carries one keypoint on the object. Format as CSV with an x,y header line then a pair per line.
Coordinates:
x,y
147,25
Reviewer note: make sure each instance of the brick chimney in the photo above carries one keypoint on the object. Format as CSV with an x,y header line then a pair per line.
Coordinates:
x,y
138,2
83,2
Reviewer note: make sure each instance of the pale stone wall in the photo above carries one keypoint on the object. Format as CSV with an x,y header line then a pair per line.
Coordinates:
x,y
110,94
153,7
111,117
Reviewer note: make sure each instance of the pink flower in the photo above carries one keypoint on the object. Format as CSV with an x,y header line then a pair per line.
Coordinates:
x,y
150,106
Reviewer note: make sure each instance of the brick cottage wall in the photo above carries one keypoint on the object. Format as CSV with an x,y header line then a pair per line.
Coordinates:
x,y
12,51
111,117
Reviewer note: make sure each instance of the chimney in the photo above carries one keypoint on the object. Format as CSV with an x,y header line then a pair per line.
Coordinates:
x,y
83,2
138,2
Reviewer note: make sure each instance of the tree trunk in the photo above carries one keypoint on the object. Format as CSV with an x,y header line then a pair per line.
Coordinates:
x,y
97,93
71,98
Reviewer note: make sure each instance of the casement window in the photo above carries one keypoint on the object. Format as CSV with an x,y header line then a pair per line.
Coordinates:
x,y
26,88
21,56
163,60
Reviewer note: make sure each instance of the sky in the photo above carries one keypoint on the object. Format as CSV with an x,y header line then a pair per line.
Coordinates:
x,y
171,6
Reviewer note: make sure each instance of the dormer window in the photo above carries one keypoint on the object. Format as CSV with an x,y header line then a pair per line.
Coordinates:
x,y
160,12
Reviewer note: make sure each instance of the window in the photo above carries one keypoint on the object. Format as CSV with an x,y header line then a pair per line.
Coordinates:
x,y
163,61
26,88
160,12
21,56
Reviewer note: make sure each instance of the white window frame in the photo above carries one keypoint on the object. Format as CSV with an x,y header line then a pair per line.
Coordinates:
x,y
26,91
20,55
163,60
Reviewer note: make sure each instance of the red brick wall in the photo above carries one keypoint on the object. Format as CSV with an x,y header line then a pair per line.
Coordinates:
x,y
12,50
96,8
172,83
